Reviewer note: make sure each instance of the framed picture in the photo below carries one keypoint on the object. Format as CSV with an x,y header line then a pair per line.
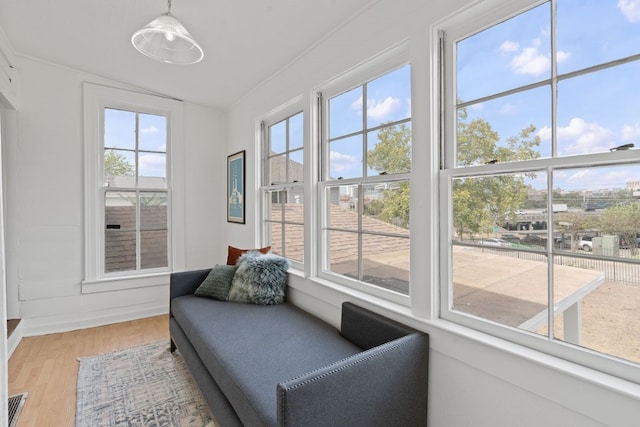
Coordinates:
x,y
235,187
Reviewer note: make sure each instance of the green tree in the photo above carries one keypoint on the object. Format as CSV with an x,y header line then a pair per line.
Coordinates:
x,y
624,221
392,155
479,203
115,164
575,224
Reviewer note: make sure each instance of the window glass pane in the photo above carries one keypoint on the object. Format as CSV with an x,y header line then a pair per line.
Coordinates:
x,y
345,113
343,253
278,169
278,137
294,242
345,158
152,132
274,232
343,207
386,207
119,129
275,202
504,286
296,136
598,209
152,170
488,206
598,111
296,166
509,128
389,97
597,305
120,231
119,168
511,54
595,32
153,230
294,208
385,262
389,150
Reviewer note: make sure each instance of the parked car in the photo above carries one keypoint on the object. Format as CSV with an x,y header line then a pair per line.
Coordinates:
x,y
494,242
586,243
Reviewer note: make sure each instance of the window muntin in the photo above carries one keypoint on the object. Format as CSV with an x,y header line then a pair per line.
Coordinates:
x,y
365,192
283,189
136,221
558,245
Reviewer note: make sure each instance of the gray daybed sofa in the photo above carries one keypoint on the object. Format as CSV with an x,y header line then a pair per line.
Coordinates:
x,y
280,366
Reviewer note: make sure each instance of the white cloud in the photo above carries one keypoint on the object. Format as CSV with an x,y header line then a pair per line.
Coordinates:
x,y
529,60
580,137
509,47
149,129
507,109
153,165
630,9
342,162
630,132
379,110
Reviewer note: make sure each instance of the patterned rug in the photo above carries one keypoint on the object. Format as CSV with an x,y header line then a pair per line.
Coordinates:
x,y
140,386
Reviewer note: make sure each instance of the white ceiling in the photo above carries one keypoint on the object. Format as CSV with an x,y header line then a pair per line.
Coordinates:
x,y
244,41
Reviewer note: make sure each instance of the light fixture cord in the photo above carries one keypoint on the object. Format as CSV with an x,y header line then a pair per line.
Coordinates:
x,y
168,6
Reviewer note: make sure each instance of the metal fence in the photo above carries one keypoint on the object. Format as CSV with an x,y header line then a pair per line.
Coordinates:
x,y
618,270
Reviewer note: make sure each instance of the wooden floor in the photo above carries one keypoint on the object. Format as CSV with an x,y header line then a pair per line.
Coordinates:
x,y
47,368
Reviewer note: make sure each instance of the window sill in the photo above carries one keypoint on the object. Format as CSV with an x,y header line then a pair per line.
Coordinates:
x,y
125,282
490,354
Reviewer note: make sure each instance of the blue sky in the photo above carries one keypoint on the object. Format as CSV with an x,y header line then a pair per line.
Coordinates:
x,y
388,98
120,131
595,111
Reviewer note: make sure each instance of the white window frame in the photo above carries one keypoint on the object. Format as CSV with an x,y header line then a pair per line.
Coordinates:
x,y
471,21
275,116
96,99
386,62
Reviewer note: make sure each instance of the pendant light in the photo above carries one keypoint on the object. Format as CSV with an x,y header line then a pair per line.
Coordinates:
x,y
165,39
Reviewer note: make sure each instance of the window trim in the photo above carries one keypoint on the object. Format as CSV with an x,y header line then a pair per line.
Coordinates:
x,y
469,21
385,62
96,99
284,112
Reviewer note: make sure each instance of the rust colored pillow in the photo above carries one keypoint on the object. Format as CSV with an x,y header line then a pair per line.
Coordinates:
x,y
235,253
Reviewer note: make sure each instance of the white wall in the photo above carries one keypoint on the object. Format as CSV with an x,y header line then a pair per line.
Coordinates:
x,y
475,380
45,204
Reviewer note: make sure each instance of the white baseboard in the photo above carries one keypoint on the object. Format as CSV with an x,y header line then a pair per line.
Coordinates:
x,y
64,323
14,340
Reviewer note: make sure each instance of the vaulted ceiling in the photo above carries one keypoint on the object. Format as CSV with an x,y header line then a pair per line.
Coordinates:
x,y
245,41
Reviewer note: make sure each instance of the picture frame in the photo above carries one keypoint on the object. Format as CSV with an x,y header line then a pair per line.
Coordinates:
x,y
235,187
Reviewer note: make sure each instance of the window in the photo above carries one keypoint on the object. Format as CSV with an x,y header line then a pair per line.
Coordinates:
x,y
283,187
540,192
133,168
364,184
135,191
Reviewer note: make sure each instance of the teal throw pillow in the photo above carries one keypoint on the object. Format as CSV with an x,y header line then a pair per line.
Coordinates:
x,y
217,283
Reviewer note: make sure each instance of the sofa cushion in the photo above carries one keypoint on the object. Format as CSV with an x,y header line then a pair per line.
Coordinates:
x,y
259,279
217,283
234,253
249,349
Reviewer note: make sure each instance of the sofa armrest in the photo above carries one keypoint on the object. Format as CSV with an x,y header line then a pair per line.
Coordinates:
x,y
186,282
383,386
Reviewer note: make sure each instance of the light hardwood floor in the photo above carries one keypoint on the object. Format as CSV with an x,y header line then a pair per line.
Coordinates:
x,y
47,367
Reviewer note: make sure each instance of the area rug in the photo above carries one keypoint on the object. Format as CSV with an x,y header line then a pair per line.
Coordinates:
x,y
140,386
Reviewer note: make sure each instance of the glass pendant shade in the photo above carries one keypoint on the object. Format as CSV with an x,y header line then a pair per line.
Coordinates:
x,y
166,39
